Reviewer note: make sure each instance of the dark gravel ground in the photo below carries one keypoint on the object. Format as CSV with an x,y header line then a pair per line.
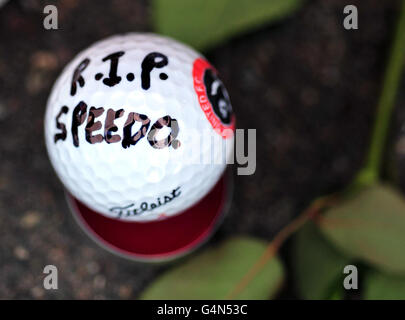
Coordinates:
x,y
307,85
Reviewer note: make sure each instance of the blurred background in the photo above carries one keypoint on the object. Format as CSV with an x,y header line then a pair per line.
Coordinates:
x,y
305,83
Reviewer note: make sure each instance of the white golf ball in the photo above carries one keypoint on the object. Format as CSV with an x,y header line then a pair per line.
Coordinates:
x,y
138,127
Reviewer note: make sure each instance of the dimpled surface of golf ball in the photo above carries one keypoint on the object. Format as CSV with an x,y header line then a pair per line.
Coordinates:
x,y
138,127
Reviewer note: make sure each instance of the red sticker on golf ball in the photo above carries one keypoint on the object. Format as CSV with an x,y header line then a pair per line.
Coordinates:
x,y
213,98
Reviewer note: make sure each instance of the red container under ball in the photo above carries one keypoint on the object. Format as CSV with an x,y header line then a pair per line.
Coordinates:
x,y
159,240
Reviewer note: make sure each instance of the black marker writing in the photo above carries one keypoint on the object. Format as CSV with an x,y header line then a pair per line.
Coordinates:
x,y
77,76
113,77
129,139
165,121
110,127
78,117
61,126
93,126
151,61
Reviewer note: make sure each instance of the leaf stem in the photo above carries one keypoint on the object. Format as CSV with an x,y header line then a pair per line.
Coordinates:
x,y
370,173
310,213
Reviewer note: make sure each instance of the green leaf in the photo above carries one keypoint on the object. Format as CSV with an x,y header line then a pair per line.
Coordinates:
x,y
337,293
204,23
214,273
370,225
318,266
380,286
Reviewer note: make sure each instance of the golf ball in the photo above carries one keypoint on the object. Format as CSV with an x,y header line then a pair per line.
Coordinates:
x,y
139,127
